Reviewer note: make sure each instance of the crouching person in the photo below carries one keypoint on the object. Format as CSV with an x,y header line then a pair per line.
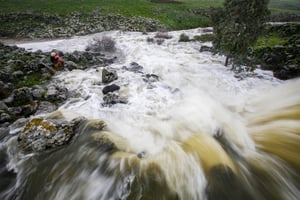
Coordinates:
x,y
56,60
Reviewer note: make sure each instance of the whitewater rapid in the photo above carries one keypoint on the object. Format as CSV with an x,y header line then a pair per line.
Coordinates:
x,y
198,82
173,122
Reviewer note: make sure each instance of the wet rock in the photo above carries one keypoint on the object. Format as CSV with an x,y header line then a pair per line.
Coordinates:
x,y
56,93
110,88
113,98
15,110
3,106
29,109
103,140
4,131
205,48
38,92
70,65
40,134
222,179
134,67
45,107
150,78
108,76
4,117
18,125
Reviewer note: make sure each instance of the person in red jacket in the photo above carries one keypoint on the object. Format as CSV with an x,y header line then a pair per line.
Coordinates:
x,y
56,60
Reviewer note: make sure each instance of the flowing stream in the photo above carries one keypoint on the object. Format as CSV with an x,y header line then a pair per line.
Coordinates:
x,y
197,133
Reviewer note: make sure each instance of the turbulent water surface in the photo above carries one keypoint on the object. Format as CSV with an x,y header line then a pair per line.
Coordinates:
x,y
196,133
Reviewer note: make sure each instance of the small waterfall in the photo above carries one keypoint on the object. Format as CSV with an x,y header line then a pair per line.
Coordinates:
x,y
198,133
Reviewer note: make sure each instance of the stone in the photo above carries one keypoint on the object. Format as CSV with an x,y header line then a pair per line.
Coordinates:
x,y
40,134
108,76
134,67
4,117
110,88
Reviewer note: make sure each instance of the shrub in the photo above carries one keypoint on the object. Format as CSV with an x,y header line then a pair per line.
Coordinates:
x,y
101,44
184,38
204,38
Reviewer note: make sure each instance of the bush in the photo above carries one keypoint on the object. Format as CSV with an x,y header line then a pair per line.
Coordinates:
x,y
184,38
101,44
204,38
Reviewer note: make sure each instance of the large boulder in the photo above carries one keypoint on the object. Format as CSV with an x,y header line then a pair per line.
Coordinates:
x,y
108,76
110,88
40,133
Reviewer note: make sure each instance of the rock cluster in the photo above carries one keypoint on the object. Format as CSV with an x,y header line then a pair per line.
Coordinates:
x,y
25,87
110,91
55,26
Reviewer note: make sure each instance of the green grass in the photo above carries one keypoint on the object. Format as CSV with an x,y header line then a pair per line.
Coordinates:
x,y
124,7
32,79
269,41
176,16
173,16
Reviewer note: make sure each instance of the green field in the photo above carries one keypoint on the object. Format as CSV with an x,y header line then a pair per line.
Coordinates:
x,y
182,14
175,15
124,7
285,6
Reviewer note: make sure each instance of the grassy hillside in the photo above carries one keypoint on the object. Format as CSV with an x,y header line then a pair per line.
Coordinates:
x,y
176,14
285,6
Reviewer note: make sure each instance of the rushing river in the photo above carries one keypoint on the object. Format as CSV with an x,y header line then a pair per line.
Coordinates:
x,y
197,133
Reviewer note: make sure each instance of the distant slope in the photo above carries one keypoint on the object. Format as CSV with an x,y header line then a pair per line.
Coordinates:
x,y
285,5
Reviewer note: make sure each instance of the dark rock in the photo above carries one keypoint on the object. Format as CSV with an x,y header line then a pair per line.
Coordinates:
x,y
15,110
4,117
29,109
22,96
205,48
150,78
4,90
110,88
3,106
112,98
4,131
108,76
134,67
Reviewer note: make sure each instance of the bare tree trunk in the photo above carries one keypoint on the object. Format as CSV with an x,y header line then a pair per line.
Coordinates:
x,y
227,61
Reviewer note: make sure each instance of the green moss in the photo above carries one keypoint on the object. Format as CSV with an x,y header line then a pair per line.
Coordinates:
x,y
31,80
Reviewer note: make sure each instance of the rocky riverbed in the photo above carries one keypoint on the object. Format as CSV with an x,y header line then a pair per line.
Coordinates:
x,y
26,85
15,25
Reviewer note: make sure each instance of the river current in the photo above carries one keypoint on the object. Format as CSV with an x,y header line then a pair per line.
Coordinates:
x,y
199,132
